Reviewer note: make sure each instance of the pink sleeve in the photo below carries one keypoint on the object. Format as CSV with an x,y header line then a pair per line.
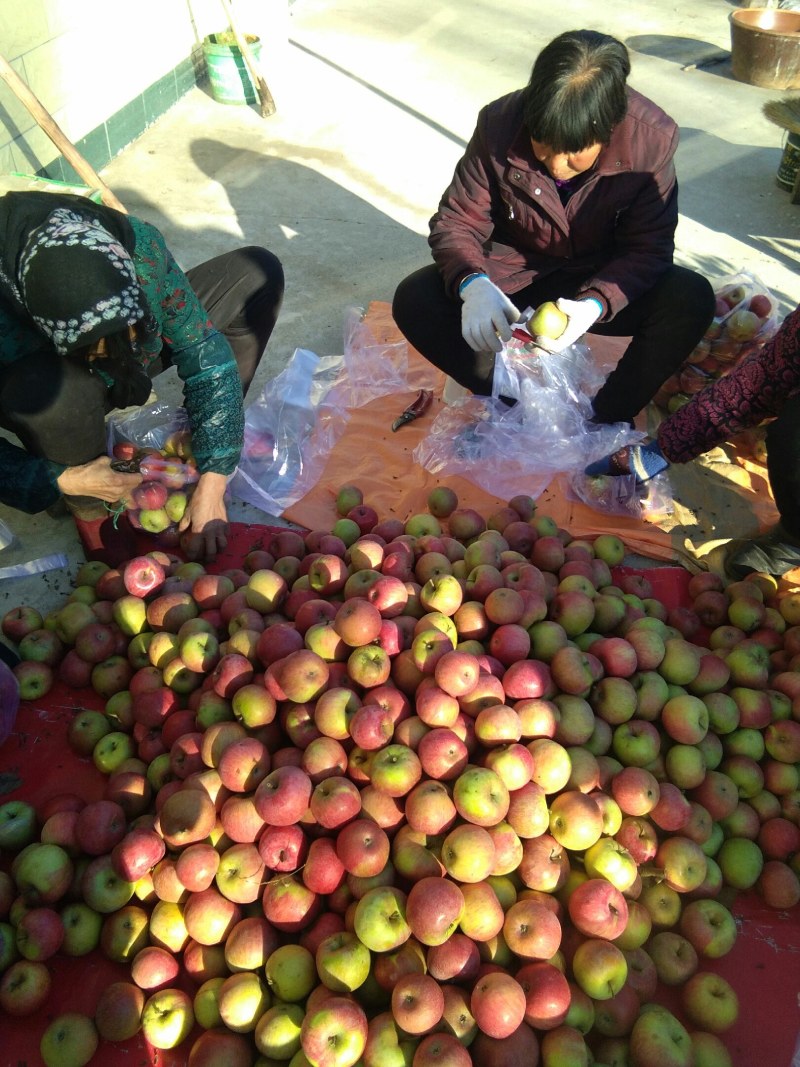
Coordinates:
x,y
753,391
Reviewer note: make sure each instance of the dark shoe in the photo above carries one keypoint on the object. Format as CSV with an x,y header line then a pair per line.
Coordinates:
x,y
775,552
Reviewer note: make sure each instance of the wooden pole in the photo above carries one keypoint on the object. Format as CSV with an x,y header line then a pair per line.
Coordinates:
x,y
264,95
47,123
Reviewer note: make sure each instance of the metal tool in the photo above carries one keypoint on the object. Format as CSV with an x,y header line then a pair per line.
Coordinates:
x,y
127,466
414,410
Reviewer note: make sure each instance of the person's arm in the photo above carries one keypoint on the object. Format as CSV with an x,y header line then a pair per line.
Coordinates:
x,y
212,389
754,390
31,483
27,483
463,221
644,234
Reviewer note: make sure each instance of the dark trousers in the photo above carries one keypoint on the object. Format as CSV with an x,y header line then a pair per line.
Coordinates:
x,y
664,326
57,408
783,464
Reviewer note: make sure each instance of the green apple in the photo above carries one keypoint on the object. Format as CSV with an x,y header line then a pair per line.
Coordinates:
x,y
82,926
290,973
17,825
206,1003
342,962
112,750
277,1033
167,1018
70,1040
548,321
243,999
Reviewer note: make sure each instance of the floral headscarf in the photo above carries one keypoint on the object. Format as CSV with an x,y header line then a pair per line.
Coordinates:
x,y
78,282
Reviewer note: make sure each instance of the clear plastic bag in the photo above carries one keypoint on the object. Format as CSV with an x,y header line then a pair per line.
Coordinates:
x,y
7,536
291,428
746,316
507,449
620,495
156,440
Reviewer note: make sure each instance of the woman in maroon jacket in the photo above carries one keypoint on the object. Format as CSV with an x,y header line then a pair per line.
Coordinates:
x,y
566,192
766,385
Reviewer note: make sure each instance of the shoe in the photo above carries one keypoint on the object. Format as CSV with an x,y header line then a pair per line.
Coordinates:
x,y
775,552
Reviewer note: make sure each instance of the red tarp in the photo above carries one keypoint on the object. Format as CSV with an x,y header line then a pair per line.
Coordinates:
x,y
36,763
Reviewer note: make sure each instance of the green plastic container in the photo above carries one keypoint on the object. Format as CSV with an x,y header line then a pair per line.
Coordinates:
x,y
228,72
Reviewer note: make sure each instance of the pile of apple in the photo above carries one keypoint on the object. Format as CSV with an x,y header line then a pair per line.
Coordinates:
x,y
169,475
433,793
744,318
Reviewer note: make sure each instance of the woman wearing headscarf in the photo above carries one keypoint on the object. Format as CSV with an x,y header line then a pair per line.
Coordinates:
x,y
92,307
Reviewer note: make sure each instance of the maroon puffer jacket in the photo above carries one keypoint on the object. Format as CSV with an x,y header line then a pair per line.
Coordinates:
x,y
502,214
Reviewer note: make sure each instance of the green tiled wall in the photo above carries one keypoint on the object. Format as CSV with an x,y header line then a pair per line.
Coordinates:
x,y
106,141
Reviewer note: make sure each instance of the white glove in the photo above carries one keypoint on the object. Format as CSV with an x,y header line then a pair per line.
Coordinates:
x,y
581,315
486,316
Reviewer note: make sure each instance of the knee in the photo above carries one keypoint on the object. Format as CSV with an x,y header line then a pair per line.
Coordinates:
x,y
783,433
403,301
693,292
265,264
420,294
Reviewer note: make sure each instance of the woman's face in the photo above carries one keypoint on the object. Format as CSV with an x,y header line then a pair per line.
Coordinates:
x,y
99,348
565,165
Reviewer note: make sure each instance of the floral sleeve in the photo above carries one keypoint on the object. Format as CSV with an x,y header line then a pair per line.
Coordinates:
x,y
201,354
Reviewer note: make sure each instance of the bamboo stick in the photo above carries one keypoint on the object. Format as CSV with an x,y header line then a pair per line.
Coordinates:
x,y
264,95
47,123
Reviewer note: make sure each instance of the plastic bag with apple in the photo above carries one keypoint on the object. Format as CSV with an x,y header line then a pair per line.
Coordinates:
x,y
155,440
620,495
745,316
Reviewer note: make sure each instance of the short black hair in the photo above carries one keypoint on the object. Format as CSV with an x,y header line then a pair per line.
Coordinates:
x,y
577,90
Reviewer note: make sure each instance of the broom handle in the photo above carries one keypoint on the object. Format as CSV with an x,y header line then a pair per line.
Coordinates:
x,y
47,123
267,103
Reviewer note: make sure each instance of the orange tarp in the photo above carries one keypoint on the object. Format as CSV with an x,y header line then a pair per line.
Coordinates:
x,y
720,496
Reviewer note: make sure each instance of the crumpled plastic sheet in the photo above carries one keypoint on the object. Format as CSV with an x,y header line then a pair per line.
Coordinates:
x,y
35,566
7,536
291,428
508,449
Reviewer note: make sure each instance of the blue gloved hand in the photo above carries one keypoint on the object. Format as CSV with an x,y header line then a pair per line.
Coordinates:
x,y
644,461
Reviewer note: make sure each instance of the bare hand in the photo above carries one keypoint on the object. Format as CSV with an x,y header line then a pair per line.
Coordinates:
x,y
206,518
98,479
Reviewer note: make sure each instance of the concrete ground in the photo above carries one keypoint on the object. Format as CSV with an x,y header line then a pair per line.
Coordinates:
x,y
375,103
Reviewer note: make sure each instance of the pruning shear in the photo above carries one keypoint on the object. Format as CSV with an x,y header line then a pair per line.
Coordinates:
x,y
127,466
414,410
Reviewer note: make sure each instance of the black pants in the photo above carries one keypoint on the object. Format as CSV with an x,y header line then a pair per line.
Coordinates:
x,y
783,464
664,325
57,408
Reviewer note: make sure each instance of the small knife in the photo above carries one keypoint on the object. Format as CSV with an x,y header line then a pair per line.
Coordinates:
x,y
414,410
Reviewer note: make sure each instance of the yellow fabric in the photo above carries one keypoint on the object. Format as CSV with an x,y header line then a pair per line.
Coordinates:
x,y
720,496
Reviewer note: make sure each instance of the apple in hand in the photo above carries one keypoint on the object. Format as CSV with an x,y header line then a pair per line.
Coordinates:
x,y
548,321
